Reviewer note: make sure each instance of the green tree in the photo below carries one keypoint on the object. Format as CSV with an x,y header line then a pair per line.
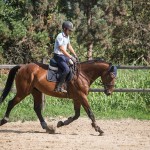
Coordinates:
x,y
26,28
91,26
117,30
131,33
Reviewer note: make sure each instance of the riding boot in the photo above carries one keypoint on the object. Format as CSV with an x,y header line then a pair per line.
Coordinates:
x,y
59,87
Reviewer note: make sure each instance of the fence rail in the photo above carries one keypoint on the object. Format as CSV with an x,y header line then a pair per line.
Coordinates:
x,y
122,90
101,90
131,90
7,66
119,67
133,67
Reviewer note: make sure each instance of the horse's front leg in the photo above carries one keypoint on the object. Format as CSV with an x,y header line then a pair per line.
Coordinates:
x,y
77,106
84,102
94,125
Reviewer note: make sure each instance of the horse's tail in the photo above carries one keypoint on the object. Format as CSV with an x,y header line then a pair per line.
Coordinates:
x,y
9,83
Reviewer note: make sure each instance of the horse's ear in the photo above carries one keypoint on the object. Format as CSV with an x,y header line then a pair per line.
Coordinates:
x,y
113,71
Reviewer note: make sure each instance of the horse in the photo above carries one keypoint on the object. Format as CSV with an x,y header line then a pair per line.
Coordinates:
x,y
31,79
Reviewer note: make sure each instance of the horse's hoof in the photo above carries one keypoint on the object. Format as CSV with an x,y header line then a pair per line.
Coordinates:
x,y
60,124
3,121
51,129
101,133
44,125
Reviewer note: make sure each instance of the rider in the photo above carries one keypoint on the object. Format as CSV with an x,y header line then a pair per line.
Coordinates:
x,y
62,43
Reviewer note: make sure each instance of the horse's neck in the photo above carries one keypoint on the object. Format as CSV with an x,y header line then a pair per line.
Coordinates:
x,y
93,71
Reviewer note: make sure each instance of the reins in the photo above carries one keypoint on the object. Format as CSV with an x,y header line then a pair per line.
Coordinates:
x,y
78,73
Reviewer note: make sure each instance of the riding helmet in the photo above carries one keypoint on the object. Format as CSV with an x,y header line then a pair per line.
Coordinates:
x,y
68,25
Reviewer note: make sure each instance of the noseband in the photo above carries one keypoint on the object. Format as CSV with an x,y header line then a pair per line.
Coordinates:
x,y
105,85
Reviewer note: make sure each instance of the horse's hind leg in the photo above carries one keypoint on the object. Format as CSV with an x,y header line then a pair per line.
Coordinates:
x,y
37,95
10,106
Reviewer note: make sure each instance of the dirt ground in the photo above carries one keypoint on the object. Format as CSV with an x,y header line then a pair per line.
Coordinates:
x,y
125,134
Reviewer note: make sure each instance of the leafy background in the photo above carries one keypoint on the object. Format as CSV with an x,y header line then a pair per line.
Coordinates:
x,y
117,30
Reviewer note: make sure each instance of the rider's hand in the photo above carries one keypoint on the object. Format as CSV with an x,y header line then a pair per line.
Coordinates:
x,y
73,59
76,57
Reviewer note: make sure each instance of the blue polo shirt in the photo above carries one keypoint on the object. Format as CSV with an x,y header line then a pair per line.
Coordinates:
x,y
61,40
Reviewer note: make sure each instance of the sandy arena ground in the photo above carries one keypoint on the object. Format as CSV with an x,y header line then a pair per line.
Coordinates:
x,y
125,134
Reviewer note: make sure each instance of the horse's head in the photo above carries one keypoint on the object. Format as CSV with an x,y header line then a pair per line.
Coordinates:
x,y
108,79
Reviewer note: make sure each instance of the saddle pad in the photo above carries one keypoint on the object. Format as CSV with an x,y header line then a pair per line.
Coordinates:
x,y
54,76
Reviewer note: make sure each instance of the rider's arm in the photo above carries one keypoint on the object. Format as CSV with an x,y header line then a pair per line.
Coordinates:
x,y
71,49
64,51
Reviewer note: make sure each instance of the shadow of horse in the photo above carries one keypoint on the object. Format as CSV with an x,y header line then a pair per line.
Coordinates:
x,y
16,131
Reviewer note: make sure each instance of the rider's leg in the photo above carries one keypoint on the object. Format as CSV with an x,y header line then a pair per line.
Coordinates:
x,y
62,63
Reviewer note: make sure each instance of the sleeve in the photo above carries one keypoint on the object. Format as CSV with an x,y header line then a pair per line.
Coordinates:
x,y
59,40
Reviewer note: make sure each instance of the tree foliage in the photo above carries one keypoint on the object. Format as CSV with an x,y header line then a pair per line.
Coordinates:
x,y
118,30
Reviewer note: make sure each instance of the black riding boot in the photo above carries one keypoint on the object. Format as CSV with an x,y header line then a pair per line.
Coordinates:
x,y
59,87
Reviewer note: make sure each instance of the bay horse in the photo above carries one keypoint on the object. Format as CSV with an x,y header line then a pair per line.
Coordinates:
x,y
31,79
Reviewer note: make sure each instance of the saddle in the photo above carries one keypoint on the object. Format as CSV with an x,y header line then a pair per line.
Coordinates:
x,y
54,72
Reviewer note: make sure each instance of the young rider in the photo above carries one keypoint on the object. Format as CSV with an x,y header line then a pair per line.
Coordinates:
x,y
62,43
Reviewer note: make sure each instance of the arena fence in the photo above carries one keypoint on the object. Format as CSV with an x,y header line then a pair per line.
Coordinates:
x,y
7,67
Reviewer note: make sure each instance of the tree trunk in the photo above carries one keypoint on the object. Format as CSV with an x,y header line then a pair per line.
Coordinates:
x,y
89,43
90,51
148,57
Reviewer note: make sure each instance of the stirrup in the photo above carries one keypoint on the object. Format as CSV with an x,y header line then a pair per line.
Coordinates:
x,y
59,89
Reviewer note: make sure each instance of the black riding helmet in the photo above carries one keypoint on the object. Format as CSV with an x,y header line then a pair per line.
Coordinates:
x,y
68,25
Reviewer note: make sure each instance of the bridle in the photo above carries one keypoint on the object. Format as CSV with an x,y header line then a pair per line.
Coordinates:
x,y
106,84
114,74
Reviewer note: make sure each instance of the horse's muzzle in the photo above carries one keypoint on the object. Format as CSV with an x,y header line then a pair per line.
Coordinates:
x,y
107,92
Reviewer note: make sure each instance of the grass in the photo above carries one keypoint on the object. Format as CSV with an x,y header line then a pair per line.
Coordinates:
x,y
119,105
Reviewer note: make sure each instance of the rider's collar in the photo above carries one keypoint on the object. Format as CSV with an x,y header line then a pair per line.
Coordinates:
x,y
64,35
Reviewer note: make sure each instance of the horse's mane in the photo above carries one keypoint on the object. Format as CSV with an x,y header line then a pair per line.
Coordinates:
x,y
94,60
